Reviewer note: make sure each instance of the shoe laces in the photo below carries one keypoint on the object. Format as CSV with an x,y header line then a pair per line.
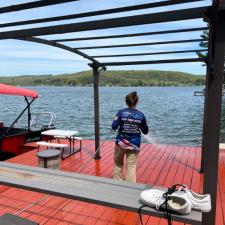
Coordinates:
x,y
183,188
166,195
165,203
161,207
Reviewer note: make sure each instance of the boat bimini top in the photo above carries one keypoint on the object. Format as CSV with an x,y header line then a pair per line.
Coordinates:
x,y
27,93
12,90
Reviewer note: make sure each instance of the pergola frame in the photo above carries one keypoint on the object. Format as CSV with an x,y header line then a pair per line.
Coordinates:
x,y
214,14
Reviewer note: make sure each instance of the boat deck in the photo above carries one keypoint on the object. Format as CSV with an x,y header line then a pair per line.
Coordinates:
x,y
161,165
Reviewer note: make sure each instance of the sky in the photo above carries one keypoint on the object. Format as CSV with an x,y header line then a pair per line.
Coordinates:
x,y
26,58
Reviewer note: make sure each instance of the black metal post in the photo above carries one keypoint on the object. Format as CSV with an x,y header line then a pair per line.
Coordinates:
x,y
28,113
96,109
213,96
207,81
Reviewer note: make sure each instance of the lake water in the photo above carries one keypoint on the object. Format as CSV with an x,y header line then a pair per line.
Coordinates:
x,y
174,114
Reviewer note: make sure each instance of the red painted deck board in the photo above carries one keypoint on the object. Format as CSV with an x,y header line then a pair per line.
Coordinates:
x,y
161,165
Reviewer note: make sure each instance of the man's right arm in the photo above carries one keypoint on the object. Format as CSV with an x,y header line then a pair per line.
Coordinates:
x,y
116,121
144,126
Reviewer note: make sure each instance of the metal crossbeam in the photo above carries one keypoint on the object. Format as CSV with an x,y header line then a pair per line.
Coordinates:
x,y
67,48
131,35
161,17
97,13
149,53
152,62
222,6
141,44
31,5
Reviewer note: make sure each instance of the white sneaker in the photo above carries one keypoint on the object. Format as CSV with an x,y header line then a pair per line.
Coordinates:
x,y
177,202
199,202
152,197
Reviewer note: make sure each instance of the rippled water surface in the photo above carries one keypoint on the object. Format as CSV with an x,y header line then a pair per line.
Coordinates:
x,y
174,114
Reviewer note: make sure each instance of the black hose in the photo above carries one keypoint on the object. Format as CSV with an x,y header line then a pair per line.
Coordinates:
x,y
96,152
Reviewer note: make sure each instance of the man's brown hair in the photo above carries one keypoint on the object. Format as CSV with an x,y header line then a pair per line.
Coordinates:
x,y
132,99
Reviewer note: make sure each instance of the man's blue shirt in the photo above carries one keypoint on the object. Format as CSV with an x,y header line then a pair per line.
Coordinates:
x,y
130,122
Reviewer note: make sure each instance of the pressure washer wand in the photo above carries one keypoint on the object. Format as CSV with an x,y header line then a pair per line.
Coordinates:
x,y
96,152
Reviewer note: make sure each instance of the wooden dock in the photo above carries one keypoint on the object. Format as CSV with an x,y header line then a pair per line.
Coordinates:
x,y
161,165
202,93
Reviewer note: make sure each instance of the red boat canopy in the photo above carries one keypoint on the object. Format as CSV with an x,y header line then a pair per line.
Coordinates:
x,y
12,90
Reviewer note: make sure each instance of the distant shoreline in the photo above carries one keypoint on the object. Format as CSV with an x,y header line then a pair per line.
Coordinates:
x,y
119,78
100,86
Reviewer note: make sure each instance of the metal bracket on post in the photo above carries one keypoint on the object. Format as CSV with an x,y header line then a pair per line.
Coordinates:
x,y
208,15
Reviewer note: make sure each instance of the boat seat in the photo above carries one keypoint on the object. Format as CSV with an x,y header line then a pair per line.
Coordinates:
x,y
28,146
91,189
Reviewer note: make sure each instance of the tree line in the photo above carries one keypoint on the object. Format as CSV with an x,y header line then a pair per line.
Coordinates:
x,y
110,78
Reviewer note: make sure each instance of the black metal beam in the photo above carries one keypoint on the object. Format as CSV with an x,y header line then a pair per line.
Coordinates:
x,y
131,35
149,53
31,5
51,43
212,112
141,44
97,13
152,62
161,17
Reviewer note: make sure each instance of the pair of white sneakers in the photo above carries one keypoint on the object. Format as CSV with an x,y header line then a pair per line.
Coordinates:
x,y
180,201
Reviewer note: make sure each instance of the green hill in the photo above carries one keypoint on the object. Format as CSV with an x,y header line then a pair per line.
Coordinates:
x,y
110,78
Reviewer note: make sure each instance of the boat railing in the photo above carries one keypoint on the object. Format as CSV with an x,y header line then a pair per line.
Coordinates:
x,y
43,120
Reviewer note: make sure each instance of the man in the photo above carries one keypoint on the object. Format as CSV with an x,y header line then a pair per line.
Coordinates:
x,y
131,122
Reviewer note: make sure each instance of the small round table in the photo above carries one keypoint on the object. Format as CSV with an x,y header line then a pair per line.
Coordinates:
x,y
48,155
